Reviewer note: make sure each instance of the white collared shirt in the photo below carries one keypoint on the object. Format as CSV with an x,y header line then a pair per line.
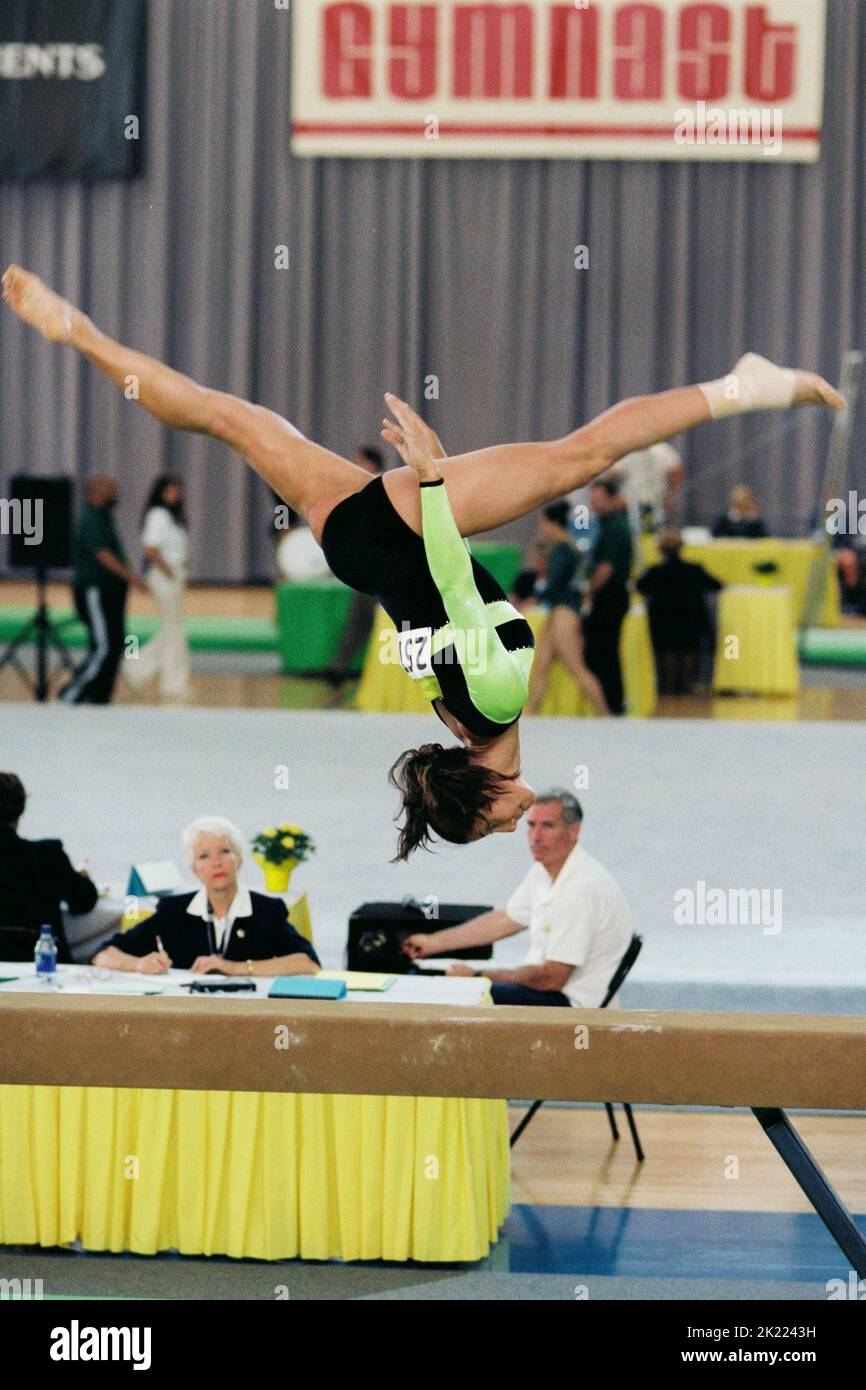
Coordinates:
x,y
580,918
241,906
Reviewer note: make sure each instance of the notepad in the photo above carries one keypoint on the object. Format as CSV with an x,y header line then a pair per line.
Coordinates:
x,y
306,987
359,979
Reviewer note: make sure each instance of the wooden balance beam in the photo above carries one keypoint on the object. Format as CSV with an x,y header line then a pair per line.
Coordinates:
x,y
766,1062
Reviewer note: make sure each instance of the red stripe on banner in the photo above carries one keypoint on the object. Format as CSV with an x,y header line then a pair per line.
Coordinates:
x,y
648,132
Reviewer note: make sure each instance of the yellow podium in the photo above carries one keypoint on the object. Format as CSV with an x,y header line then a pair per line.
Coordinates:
x,y
756,645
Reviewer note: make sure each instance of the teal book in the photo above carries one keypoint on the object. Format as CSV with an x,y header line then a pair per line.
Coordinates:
x,y
306,987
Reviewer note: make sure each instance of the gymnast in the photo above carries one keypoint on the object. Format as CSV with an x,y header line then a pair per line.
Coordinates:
x,y
400,537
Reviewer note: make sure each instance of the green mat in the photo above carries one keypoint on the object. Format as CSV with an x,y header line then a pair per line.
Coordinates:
x,y
828,646
204,634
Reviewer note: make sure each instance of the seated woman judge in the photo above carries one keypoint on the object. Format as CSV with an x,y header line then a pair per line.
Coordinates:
x,y
222,929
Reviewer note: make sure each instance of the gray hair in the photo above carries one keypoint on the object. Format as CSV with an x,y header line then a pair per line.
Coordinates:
x,y
571,807
211,825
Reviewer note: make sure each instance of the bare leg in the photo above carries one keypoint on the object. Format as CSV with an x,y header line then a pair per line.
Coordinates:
x,y
309,478
541,670
490,487
568,647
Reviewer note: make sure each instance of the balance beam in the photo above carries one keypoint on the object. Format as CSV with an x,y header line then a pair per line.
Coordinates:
x,y
766,1062
804,1062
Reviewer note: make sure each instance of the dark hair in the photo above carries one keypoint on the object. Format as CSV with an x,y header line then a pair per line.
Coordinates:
x,y
444,791
155,497
524,585
610,485
13,798
374,456
558,513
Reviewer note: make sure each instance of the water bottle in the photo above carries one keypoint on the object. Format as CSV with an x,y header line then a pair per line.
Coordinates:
x,y
45,956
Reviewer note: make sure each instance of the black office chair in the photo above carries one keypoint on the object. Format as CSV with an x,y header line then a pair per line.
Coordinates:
x,y
617,980
17,944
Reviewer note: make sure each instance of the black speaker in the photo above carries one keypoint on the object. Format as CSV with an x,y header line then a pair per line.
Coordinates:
x,y
378,930
39,521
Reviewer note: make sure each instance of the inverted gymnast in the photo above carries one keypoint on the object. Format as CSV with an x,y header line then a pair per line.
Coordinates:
x,y
459,636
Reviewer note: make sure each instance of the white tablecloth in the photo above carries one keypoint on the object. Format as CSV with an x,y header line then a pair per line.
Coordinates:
x,y
81,979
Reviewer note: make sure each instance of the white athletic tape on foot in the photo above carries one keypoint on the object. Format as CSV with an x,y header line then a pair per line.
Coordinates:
x,y
754,384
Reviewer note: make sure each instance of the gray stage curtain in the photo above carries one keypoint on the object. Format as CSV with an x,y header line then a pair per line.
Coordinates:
x,y
404,269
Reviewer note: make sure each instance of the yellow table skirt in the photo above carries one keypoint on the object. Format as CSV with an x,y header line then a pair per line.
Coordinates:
x,y
385,688
268,1177
756,644
732,561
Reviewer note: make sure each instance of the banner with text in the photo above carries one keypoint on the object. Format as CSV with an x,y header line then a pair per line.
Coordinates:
x,y
590,79
71,88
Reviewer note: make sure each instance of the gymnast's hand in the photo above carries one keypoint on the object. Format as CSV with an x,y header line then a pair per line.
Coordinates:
x,y
418,446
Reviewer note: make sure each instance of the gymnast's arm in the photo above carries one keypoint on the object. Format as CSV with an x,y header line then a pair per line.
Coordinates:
x,y
497,683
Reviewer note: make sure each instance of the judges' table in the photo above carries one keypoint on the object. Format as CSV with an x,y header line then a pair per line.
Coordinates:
x,y
733,562
384,687
258,1176
756,643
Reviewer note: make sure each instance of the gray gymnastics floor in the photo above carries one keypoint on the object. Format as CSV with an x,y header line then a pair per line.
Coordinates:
x,y
777,808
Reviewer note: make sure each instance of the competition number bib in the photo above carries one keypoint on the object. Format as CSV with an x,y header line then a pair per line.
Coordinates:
x,y
416,652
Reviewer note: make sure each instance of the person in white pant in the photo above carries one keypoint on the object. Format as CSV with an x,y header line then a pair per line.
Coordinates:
x,y
165,542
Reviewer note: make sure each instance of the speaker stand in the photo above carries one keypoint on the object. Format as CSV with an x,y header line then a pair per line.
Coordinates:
x,y
45,635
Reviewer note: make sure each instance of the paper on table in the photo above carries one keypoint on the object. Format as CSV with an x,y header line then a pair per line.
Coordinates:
x,y
443,962
358,979
151,986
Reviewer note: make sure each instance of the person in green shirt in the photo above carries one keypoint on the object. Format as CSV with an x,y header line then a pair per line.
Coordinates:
x,y
100,580
459,637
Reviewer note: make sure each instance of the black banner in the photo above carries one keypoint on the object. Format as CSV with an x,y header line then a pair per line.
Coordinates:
x,y
71,88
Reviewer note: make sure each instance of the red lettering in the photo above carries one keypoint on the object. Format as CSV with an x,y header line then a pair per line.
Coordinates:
x,y
638,45
705,32
412,68
493,51
573,52
347,61
771,55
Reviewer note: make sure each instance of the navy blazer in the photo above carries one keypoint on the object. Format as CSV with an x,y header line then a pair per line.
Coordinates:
x,y
264,935
35,878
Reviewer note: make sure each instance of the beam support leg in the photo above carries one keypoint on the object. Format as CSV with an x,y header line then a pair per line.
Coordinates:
x,y
806,1172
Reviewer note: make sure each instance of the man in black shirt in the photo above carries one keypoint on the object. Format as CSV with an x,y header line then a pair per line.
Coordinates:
x,y
607,601
99,584
35,878
675,592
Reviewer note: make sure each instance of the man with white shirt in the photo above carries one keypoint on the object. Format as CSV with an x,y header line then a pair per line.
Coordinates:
x,y
652,481
578,918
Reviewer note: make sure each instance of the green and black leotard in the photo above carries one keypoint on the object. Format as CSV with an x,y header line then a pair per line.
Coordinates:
x,y
458,635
